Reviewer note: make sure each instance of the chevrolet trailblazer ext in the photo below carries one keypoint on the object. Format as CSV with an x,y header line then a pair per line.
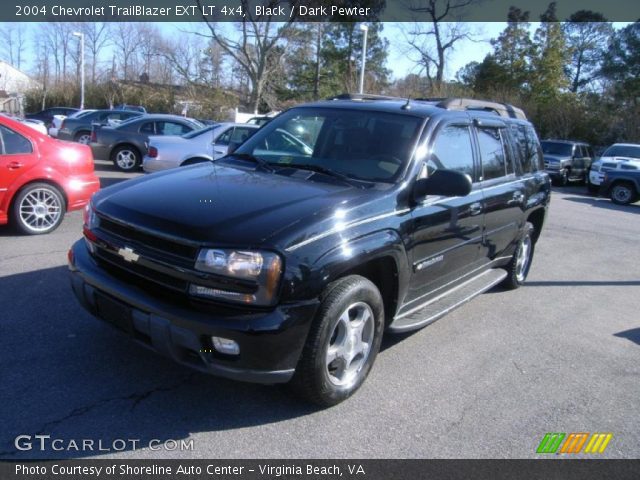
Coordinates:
x,y
286,261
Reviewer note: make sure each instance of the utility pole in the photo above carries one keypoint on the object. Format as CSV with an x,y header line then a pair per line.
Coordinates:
x,y
364,28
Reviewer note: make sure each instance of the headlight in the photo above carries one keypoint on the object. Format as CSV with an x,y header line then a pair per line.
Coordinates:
x,y
90,218
263,268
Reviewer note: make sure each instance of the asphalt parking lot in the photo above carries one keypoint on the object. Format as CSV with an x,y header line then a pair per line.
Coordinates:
x,y
489,380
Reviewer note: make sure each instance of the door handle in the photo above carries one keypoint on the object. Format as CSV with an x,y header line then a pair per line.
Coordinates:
x,y
14,165
475,208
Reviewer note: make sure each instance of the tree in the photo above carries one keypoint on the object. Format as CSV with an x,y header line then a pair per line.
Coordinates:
x,y
254,47
432,40
126,41
587,34
96,38
513,49
14,39
550,57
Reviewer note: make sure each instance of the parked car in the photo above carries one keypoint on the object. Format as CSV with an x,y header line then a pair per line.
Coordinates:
x,y
198,146
131,108
79,129
260,121
617,156
41,178
47,114
567,160
622,186
275,266
126,144
37,125
58,119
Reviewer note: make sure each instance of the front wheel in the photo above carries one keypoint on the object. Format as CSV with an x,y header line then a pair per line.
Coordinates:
x,y
622,194
343,342
38,209
520,263
126,158
83,137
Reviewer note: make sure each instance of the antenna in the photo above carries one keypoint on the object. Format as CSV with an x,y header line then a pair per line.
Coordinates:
x,y
407,106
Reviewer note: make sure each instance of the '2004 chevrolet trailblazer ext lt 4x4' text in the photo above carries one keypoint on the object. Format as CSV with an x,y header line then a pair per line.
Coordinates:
x,y
285,261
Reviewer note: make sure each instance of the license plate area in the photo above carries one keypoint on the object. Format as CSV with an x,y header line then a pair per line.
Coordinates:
x,y
114,312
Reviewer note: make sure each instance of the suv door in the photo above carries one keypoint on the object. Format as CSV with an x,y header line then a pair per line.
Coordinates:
x,y
446,232
503,191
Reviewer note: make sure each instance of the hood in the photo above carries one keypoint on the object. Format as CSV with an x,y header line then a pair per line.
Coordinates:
x,y
216,204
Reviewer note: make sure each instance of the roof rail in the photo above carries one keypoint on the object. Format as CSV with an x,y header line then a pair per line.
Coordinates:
x,y
363,96
502,109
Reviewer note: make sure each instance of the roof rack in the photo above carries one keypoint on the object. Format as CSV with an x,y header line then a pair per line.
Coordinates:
x,y
363,96
502,109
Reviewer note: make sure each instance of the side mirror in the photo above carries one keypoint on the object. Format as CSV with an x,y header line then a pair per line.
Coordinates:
x,y
233,146
449,183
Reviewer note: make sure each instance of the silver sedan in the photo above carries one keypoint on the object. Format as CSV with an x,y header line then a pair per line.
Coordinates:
x,y
203,145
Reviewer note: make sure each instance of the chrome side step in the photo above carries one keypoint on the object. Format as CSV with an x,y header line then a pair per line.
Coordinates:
x,y
442,304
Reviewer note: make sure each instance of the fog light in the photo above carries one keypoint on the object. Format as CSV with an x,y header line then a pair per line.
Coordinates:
x,y
225,345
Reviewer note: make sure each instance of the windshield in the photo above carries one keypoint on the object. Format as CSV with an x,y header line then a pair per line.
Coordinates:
x,y
622,151
196,133
557,148
361,144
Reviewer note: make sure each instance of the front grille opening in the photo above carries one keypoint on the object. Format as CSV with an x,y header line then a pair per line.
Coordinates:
x,y
157,243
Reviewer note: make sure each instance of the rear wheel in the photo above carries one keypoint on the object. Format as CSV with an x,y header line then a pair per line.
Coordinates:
x,y
126,158
520,263
83,137
623,194
343,342
38,209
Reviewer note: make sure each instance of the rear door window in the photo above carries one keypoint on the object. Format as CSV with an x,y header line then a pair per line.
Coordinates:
x,y
492,153
12,143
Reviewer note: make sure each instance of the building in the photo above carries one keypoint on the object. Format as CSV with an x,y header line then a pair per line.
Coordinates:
x,y
13,85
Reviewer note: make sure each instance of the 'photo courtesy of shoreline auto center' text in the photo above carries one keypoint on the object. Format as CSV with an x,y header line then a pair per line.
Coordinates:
x,y
319,239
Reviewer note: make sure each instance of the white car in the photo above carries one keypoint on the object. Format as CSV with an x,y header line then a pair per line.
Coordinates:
x,y
209,143
619,156
57,121
37,125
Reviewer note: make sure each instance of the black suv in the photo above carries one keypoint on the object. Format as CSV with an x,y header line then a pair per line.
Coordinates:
x,y
286,261
567,160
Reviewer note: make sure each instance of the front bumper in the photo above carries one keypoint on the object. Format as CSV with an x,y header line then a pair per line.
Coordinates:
x,y
151,165
270,341
554,173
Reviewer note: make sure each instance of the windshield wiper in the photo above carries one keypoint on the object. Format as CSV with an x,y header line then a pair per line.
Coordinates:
x,y
326,171
252,158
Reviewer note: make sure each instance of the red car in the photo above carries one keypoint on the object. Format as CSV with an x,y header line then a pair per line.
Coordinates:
x,y
41,178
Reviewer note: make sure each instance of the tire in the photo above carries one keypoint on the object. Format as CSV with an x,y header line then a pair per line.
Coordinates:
x,y
520,263
126,158
623,193
350,320
38,208
83,137
563,181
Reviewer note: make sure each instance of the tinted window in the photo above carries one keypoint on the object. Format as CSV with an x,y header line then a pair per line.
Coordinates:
x,y
492,153
557,148
225,138
171,128
13,143
452,150
240,134
622,151
534,152
147,128
366,145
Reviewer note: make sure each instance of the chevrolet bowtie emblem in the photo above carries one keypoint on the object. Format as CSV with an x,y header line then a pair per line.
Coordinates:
x,y
128,254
